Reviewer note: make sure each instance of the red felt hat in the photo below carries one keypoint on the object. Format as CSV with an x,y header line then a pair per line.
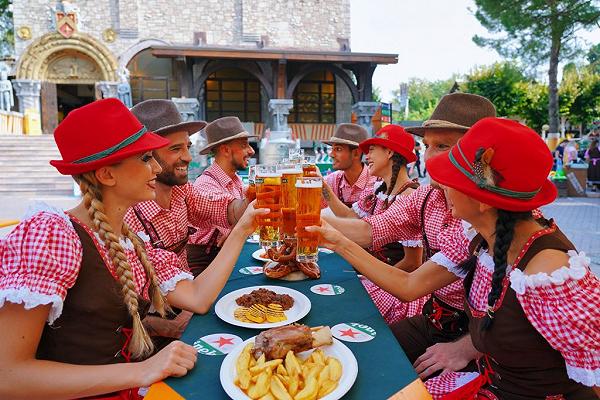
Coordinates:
x,y
99,134
395,138
498,162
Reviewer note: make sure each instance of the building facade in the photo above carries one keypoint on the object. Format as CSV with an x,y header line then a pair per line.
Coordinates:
x,y
266,61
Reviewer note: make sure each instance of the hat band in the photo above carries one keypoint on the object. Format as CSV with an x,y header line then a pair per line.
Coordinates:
x,y
105,153
482,184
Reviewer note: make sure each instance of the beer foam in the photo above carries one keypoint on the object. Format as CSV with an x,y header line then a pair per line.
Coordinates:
x,y
290,171
269,175
309,185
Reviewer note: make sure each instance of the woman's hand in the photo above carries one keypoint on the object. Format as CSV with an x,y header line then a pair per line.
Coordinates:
x,y
176,359
328,236
247,222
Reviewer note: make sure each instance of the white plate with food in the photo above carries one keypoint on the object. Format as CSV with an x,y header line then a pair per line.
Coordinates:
x,y
329,372
262,307
260,255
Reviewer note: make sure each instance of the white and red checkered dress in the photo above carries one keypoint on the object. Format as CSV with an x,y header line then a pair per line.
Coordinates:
x,y
564,307
41,257
392,309
189,207
350,193
402,222
215,182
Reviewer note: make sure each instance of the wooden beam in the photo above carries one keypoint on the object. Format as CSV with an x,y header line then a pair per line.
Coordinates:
x,y
281,80
223,53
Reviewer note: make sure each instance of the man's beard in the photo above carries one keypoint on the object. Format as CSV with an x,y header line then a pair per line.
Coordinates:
x,y
238,166
167,175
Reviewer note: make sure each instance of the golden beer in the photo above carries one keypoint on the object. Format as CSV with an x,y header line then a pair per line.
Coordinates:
x,y
251,191
289,174
309,167
268,195
308,213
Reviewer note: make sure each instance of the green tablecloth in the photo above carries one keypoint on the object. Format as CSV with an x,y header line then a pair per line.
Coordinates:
x,y
383,368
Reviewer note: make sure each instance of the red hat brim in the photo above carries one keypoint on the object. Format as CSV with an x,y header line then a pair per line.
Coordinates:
x,y
408,154
441,170
147,142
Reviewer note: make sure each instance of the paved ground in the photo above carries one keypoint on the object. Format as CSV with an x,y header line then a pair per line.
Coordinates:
x,y
579,218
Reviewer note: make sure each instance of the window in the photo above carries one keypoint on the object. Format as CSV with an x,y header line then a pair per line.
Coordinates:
x,y
233,92
314,99
152,78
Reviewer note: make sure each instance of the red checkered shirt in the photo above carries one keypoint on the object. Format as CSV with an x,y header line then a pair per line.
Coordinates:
x,y
41,257
564,307
402,222
350,193
189,207
216,182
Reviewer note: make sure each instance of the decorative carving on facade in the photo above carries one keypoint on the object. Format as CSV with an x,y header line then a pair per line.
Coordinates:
x,y
109,35
34,62
279,110
72,67
364,111
64,17
188,108
28,92
124,88
24,32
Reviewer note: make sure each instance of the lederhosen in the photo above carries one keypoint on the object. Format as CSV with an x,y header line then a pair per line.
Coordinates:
x,y
439,322
155,240
393,252
519,363
95,326
201,255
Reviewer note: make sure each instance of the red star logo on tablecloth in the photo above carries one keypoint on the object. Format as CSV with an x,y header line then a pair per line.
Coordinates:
x,y
223,341
323,289
349,332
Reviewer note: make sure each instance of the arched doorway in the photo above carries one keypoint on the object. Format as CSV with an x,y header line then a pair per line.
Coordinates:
x,y
68,69
315,99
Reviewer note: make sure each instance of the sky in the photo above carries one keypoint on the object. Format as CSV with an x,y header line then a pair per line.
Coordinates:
x,y
433,39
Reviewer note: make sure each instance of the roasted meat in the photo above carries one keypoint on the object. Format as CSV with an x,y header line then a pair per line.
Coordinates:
x,y
275,343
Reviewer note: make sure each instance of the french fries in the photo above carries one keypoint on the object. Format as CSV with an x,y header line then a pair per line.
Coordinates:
x,y
288,379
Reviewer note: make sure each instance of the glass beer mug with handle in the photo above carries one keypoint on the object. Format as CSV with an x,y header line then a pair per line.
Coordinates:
x,y
290,172
309,166
308,213
268,195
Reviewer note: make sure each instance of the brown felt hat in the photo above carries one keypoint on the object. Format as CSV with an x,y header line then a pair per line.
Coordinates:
x,y
350,134
456,111
223,130
162,117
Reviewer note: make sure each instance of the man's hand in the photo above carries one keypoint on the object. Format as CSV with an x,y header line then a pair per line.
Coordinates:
x,y
446,357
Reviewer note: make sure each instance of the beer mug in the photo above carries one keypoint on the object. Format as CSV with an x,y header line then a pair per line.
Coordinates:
x,y
308,213
289,173
268,195
251,191
309,166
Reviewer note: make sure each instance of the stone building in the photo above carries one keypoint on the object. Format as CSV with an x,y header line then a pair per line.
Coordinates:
x,y
258,59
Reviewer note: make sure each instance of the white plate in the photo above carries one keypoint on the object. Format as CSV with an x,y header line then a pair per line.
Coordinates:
x,y
227,305
252,240
257,253
337,350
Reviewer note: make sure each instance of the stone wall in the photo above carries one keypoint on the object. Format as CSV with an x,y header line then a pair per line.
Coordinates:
x,y
296,24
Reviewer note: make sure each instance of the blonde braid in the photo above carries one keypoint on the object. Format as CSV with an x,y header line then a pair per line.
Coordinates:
x,y
141,344
158,300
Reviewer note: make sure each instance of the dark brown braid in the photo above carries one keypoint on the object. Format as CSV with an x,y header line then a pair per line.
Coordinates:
x,y
397,163
505,230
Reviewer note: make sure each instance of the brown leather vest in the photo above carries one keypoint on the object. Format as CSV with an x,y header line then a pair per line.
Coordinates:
x,y
90,329
525,366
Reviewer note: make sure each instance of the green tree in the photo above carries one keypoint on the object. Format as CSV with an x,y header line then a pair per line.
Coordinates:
x,y
376,96
593,57
537,32
423,96
498,83
7,36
